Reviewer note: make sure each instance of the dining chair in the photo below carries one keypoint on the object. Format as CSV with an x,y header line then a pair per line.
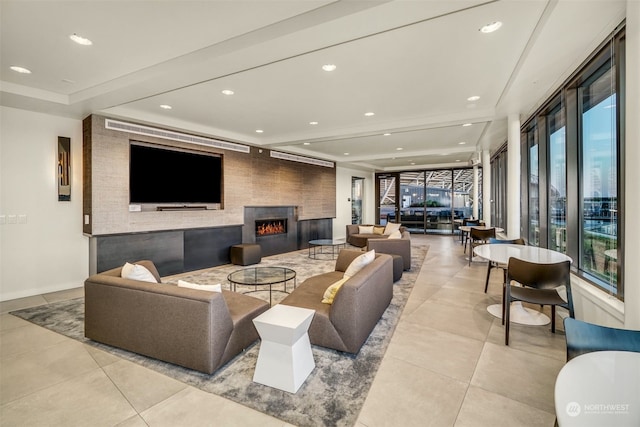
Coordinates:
x,y
538,286
463,234
583,337
479,236
493,264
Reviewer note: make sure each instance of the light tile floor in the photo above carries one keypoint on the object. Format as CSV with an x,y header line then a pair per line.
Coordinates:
x,y
445,366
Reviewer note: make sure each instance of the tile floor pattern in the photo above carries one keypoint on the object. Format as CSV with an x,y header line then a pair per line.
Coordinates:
x,y
446,365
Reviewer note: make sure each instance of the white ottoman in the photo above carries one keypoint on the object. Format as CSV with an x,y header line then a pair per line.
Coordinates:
x,y
285,359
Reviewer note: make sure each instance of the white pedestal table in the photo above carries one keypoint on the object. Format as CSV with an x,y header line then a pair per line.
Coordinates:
x,y
285,359
500,253
599,389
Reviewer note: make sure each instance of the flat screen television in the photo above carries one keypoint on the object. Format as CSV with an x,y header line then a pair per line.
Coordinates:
x,y
161,175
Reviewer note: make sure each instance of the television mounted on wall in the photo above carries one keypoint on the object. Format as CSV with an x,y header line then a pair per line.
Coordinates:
x,y
173,176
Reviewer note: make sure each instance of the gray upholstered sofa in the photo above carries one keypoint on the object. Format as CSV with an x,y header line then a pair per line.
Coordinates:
x,y
188,327
401,247
355,238
381,242
346,324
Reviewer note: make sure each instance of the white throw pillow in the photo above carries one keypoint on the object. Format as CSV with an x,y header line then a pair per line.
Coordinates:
x,y
360,262
137,272
210,288
395,235
390,228
365,229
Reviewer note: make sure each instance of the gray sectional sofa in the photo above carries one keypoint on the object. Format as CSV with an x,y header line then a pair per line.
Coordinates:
x,y
192,328
381,243
346,324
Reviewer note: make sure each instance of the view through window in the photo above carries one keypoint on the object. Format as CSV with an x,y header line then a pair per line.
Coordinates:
x,y
571,152
428,201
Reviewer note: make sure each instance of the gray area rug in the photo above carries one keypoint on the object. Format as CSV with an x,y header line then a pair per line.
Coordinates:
x,y
331,396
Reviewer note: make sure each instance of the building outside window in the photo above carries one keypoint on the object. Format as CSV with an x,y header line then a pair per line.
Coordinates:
x,y
571,177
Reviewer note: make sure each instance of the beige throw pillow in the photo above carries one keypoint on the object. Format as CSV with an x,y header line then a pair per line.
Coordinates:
x,y
360,262
395,235
365,229
137,272
210,288
378,230
390,228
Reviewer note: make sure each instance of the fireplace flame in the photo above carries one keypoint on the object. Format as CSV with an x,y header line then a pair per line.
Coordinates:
x,y
267,228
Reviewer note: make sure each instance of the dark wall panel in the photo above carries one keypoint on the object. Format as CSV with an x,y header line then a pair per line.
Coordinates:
x,y
209,247
172,252
314,229
164,248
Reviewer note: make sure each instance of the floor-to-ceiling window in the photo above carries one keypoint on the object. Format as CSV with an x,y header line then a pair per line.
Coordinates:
x,y
572,167
533,198
357,188
557,183
499,163
598,172
387,188
439,193
428,201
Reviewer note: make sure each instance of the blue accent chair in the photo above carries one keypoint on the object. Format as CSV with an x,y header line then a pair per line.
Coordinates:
x,y
583,337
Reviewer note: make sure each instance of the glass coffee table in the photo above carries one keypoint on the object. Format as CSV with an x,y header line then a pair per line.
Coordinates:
x,y
262,276
321,243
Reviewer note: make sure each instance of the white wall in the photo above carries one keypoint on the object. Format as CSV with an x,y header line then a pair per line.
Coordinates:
x,y
343,194
632,171
49,252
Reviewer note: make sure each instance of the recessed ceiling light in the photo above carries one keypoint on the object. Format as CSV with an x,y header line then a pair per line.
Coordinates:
x,y
473,98
307,143
346,154
313,123
490,28
413,163
259,131
462,142
386,134
457,160
166,107
369,114
467,124
227,92
21,70
80,40
329,67
399,149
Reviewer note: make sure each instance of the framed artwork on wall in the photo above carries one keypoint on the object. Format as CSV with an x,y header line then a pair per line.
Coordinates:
x,y
64,169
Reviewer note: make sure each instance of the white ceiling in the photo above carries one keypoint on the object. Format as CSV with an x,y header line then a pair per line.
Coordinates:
x,y
412,63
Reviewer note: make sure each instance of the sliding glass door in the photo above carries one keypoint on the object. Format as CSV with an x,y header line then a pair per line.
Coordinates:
x,y
427,201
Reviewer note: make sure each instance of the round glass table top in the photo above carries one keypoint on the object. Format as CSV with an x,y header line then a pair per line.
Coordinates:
x,y
326,242
261,275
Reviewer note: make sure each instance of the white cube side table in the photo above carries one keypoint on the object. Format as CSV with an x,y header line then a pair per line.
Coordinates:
x,y
285,359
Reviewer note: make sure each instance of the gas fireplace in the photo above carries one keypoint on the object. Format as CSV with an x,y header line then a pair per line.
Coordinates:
x,y
274,228
270,227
